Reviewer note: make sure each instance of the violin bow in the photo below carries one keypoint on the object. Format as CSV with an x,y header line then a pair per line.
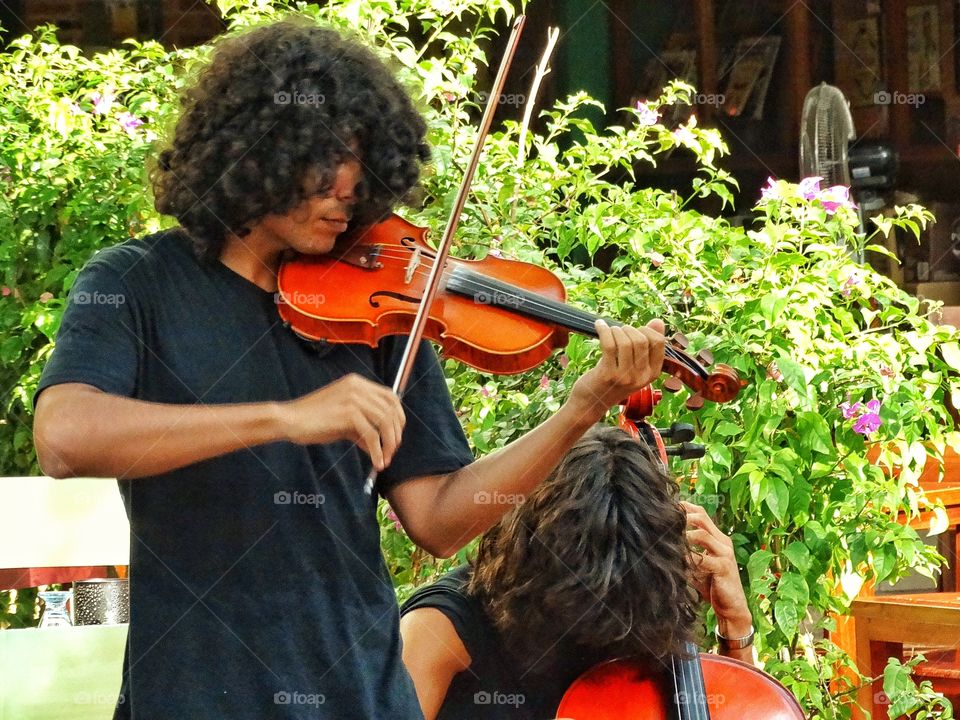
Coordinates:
x,y
443,250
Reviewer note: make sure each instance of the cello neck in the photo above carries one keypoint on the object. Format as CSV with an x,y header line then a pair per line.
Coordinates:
x,y
689,700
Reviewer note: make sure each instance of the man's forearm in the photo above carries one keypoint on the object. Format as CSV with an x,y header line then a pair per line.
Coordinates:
x,y
475,497
95,434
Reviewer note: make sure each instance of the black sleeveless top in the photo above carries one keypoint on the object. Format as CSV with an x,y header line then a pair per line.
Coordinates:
x,y
494,687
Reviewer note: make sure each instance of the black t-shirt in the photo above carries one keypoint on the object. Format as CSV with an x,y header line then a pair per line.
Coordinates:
x,y
258,588
495,687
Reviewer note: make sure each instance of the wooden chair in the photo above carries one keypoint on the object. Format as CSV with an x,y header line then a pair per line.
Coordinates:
x,y
65,530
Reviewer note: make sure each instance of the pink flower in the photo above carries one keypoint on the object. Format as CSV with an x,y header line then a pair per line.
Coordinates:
x,y
129,122
684,134
544,382
867,423
835,197
102,102
391,515
488,391
809,187
44,297
647,116
5,291
848,286
849,411
564,360
867,416
770,191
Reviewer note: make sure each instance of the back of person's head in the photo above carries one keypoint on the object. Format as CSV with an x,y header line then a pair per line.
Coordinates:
x,y
596,558
277,106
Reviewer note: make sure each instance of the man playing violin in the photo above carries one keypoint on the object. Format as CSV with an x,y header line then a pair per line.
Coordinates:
x,y
595,564
258,588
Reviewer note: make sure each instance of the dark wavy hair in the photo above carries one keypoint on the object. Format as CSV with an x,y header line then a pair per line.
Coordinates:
x,y
274,106
596,559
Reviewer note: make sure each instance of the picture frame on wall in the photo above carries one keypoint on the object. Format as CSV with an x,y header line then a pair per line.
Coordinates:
x,y
923,48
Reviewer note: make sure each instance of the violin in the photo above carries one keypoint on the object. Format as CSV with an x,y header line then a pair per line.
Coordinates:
x,y
695,686
500,316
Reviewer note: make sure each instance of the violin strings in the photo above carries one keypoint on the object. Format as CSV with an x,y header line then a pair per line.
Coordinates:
x,y
567,315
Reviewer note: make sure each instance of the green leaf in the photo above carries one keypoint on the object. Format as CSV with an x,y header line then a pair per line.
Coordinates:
x,y
758,564
727,429
799,556
778,497
793,587
720,454
793,374
787,616
951,354
815,433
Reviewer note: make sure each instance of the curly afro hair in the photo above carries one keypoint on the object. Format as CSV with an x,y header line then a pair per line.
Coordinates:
x,y
274,106
594,564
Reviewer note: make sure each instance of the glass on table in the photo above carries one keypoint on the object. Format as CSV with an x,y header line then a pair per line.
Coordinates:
x,y
55,608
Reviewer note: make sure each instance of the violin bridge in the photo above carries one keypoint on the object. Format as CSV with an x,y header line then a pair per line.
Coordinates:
x,y
412,266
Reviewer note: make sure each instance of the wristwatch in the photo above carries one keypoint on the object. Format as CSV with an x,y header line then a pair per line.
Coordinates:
x,y
735,643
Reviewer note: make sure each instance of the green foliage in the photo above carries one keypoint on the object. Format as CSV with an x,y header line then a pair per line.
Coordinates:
x,y
782,301
72,180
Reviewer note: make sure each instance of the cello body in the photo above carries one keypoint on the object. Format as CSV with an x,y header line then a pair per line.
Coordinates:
x,y
627,689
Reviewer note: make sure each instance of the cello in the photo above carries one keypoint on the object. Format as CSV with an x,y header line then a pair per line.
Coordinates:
x,y
695,686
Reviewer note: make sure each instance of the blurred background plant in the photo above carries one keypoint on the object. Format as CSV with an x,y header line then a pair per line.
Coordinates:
x,y
839,362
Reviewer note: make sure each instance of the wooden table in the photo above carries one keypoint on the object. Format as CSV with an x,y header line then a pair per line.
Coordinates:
x,y
886,622
848,635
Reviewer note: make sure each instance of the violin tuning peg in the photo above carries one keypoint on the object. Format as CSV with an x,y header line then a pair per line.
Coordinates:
x,y
695,402
672,384
705,357
679,340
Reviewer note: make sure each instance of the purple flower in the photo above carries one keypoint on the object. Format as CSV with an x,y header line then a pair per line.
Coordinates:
x,y
834,198
867,423
809,187
869,419
647,115
102,102
391,515
129,122
849,411
770,191
849,285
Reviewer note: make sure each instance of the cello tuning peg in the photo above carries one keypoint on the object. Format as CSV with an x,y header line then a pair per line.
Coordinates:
x,y
679,340
687,451
695,402
678,432
705,357
672,384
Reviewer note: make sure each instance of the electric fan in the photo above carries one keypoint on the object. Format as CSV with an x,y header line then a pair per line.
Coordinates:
x,y
826,130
